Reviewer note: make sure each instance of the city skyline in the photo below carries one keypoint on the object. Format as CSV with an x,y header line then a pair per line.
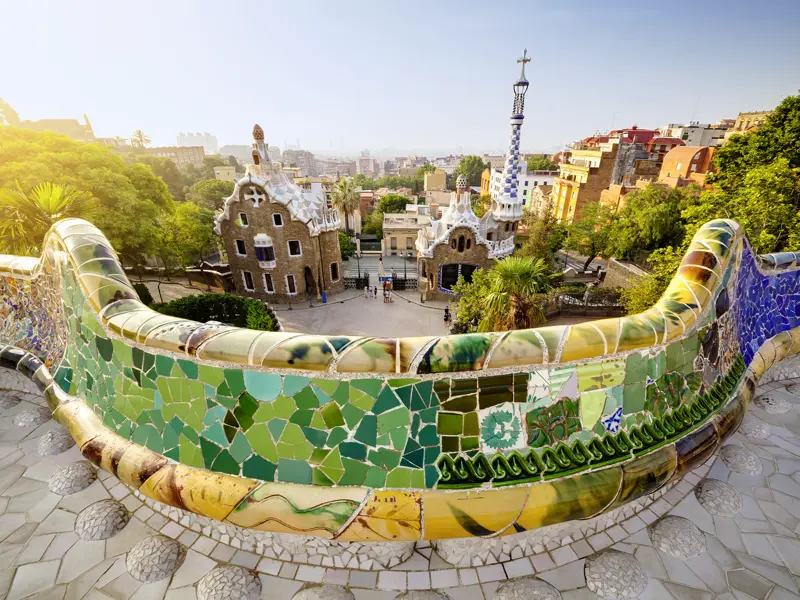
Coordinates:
x,y
398,82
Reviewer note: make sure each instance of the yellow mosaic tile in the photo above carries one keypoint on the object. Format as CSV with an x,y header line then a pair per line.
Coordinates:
x,y
388,516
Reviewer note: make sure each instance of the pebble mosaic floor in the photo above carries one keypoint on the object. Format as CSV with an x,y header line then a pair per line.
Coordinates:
x,y
730,530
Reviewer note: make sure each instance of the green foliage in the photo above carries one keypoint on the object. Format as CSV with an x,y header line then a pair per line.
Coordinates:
x,y
545,236
480,204
144,293
346,246
374,224
225,308
26,217
345,198
166,169
210,193
542,163
185,235
393,203
507,296
664,263
589,234
650,219
139,139
130,199
471,167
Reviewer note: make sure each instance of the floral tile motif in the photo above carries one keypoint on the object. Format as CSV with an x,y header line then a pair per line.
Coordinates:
x,y
502,428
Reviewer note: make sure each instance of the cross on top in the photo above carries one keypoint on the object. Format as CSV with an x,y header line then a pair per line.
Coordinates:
x,y
523,59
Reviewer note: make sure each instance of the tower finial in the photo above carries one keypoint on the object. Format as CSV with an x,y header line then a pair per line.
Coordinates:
x,y
523,59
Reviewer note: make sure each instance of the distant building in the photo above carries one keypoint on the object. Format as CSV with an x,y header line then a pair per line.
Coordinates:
x,y
115,142
747,121
367,166
80,132
686,165
698,134
659,146
207,140
538,198
241,152
389,167
282,241
526,180
435,181
496,161
400,232
8,116
408,171
225,174
180,155
302,159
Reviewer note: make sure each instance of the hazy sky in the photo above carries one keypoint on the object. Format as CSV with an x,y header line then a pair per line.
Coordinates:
x,y
394,77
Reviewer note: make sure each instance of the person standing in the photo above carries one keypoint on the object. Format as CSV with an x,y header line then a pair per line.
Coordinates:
x,y
366,292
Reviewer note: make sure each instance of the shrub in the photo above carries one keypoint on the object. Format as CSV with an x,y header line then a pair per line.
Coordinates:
x,y
144,294
225,308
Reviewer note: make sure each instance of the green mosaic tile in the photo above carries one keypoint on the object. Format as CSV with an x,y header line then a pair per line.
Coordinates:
x,y
258,468
260,441
370,386
276,427
367,430
293,384
635,369
450,424
164,365
240,448
284,407
471,426
354,450
225,463
387,400
633,397
463,404
190,368
302,417
470,443
375,478
262,386
355,472
216,434
399,417
306,398
235,380
212,376
332,415
361,400
315,436
294,471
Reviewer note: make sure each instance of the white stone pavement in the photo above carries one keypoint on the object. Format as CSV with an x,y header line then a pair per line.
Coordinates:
x,y
730,530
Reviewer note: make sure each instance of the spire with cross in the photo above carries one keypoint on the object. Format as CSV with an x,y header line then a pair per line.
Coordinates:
x,y
523,59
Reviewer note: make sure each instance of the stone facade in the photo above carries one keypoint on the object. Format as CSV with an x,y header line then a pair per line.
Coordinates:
x,y
312,270
473,253
282,241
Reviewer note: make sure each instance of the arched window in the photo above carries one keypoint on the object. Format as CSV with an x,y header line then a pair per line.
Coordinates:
x,y
469,243
461,243
453,244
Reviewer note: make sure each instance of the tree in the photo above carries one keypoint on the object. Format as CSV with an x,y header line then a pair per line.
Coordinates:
x,y
480,204
506,297
374,224
194,233
424,169
345,198
589,235
210,193
26,217
130,198
393,203
663,262
225,308
542,163
650,219
472,167
139,139
346,246
167,170
545,236
232,161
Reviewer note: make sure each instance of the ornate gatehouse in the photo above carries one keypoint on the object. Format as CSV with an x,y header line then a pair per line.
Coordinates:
x,y
281,240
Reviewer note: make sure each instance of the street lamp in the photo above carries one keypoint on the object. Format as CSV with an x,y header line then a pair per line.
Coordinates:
x,y
358,262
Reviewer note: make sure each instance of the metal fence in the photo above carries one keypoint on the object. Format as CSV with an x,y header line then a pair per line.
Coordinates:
x,y
356,283
402,284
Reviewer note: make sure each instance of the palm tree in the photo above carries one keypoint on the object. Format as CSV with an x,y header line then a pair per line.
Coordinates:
x,y
25,218
345,197
139,139
510,302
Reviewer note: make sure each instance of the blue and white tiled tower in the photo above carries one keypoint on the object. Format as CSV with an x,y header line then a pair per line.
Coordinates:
x,y
508,203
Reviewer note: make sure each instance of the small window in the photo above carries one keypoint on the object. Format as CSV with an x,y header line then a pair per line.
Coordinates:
x,y
507,225
247,276
265,253
461,243
294,248
334,271
243,220
409,243
453,244
277,219
240,248
394,243
469,243
291,286
269,286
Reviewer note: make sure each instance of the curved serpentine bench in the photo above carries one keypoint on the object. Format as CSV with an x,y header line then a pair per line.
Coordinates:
x,y
384,439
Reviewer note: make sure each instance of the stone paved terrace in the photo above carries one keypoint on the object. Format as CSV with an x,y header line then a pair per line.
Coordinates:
x,y
728,530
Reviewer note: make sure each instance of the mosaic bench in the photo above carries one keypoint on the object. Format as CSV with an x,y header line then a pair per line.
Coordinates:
x,y
397,439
